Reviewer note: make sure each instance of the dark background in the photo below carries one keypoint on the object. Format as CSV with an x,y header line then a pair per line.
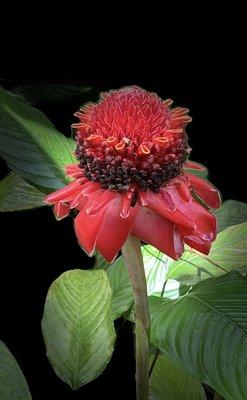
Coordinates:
x,y
203,72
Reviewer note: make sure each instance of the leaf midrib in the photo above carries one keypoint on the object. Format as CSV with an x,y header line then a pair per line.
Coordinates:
x,y
28,129
45,155
224,316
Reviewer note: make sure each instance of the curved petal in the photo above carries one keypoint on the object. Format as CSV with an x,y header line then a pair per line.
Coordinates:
x,y
205,190
196,243
204,222
73,170
61,210
115,228
194,165
159,232
72,189
86,229
191,219
205,230
89,220
167,206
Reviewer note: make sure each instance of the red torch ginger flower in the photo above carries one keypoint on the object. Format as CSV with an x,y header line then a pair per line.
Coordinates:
x,y
131,178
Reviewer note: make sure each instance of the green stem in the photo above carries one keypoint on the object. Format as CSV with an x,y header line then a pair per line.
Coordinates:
x,y
134,263
155,358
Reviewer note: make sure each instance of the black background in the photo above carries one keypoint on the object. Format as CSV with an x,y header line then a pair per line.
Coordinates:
x,y
202,71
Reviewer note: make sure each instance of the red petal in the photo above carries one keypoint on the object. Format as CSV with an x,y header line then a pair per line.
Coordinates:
x,y
86,229
191,218
73,170
205,190
164,205
61,210
194,165
87,224
62,194
115,229
205,228
159,232
196,243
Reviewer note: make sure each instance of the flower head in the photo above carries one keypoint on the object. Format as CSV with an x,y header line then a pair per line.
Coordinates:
x,y
131,178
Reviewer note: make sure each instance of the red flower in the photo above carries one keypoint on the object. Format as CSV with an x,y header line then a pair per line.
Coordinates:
x,y
131,178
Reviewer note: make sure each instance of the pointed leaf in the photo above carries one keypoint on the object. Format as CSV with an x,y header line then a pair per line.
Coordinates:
x,y
31,145
169,382
47,92
231,212
77,326
16,194
205,332
13,385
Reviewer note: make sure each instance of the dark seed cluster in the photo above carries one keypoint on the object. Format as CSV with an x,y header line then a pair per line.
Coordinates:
x,y
117,173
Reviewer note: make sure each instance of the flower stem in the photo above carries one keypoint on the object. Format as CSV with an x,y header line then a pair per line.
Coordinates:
x,y
134,263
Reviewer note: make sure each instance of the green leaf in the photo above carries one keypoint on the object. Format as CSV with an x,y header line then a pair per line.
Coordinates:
x,y
77,326
47,92
169,382
155,270
122,298
205,332
16,194
229,251
201,174
13,385
31,145
231,212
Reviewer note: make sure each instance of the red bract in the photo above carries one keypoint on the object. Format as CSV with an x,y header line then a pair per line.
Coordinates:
x,y
131,178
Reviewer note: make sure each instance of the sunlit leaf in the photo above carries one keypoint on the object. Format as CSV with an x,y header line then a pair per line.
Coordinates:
x,y
77,326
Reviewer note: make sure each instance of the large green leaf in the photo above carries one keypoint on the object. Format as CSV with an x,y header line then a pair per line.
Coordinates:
x,y
47,92
205,332
13,385
31,145
16,194
77,326
169,382
231,212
